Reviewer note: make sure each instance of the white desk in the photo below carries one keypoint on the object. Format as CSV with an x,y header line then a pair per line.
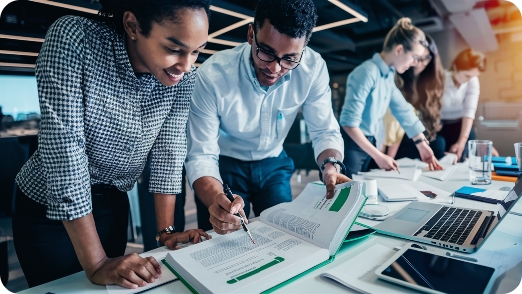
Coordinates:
x,y
508,233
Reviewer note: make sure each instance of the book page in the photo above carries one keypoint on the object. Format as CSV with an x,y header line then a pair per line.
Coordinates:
x,y
231,262
316,219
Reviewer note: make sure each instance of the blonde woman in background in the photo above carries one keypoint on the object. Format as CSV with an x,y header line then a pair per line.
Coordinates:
x,y
370,90
422,86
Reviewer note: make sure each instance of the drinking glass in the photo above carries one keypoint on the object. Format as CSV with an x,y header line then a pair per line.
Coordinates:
x,y
518,154
480,161
372,209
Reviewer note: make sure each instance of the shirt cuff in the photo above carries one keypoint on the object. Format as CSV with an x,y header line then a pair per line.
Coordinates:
x,y
350,122
332,142
202,168
415,129
469,113
69,207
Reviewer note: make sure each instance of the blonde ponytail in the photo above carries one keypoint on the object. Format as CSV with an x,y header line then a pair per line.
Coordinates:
x,y
404,33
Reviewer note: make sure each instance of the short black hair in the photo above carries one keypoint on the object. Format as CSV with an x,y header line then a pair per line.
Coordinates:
x,y
294,18
146,11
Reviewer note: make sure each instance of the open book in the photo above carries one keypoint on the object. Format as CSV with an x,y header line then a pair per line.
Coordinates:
x,y
291,239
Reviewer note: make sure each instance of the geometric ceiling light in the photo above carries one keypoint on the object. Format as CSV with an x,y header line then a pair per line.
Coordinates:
x,y
7,64
67,6
8,52
358,17
20,38
246,20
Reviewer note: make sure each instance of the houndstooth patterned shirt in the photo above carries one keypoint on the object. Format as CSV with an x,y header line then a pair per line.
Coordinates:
x,y
99,121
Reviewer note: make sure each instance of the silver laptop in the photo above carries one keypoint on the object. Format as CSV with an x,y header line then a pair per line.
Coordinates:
x,y
455,228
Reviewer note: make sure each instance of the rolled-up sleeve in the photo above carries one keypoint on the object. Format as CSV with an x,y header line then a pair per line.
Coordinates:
x,y
471,98
170,148
61,141
317,111
203,132
358,86
405,114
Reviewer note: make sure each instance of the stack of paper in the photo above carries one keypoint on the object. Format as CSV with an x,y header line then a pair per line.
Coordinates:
x,y
403,192
408,173
440,175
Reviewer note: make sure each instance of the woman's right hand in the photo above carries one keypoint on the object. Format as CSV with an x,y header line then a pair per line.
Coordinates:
x,y
129,271
386,162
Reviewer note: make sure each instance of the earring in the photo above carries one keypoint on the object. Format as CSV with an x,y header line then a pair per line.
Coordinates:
x,y
132,38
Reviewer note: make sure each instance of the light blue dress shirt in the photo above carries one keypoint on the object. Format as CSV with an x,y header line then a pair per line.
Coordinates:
x,y
370,89
232,115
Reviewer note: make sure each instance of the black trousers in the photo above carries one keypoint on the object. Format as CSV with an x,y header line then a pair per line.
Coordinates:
x,y
408,149
355,159
451,132
43,246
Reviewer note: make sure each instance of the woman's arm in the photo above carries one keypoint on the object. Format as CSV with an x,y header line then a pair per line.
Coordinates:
x,y
460,145
383,161
130,271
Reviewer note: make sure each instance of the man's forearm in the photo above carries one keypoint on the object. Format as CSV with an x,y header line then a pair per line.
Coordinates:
x,y
207,188
328,153
164,205
86,242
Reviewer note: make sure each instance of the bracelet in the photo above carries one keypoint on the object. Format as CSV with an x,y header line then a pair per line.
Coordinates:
x,y
422,140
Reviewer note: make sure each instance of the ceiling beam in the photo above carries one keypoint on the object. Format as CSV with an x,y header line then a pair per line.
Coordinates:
x,y
231,27
8,52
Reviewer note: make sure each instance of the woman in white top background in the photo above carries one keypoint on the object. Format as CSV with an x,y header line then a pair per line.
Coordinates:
x,y
460,100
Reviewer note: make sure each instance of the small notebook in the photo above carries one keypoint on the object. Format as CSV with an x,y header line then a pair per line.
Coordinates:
x,y
479,194
401,192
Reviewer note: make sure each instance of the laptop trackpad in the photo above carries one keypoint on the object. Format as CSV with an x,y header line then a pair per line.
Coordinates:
x,y
412,215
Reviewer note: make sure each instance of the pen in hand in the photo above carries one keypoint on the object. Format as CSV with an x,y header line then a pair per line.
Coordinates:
x,y
230,197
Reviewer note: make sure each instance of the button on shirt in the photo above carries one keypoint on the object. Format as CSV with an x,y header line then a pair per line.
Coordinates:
x,y
232,115
99,121
370,89
462,101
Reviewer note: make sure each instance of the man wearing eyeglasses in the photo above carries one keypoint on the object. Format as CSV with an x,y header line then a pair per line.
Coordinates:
x,y
244,103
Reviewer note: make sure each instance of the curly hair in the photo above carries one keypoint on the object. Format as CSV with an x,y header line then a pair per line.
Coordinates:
x,y
147,12
429,88
294,18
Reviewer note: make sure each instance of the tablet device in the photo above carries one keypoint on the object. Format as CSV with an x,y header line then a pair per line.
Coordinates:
x,y
432,272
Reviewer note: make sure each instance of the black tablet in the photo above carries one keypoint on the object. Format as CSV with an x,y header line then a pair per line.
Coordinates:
x,y
432,272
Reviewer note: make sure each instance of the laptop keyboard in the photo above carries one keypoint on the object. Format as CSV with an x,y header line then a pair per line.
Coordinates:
x,y
452,225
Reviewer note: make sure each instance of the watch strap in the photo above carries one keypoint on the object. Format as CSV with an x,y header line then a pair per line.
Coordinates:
x,y
168,230
421,140
334,160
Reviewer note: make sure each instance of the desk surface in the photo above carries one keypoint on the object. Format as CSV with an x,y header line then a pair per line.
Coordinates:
x,y
507,233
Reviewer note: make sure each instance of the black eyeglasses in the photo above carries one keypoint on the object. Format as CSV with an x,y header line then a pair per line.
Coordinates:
x,y
266,56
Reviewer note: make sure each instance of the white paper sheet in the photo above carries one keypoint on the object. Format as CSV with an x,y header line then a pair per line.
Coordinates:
x,y
358,273
407,173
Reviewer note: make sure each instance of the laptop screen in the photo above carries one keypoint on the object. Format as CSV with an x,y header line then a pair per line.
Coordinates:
x,y
503,208
511,198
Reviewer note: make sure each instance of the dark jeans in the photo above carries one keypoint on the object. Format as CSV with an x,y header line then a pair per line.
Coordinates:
x,y
264,183
356,159
43,246
408,148
451,132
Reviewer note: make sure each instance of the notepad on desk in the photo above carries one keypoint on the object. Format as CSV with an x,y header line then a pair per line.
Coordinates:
x,y
291,239
479,194
440,175
402,192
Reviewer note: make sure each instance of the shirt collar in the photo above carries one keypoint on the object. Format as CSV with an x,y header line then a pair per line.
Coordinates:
x,y
383,67
251,73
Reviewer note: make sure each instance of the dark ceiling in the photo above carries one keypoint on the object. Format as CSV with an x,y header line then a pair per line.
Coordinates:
x,y
343,47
